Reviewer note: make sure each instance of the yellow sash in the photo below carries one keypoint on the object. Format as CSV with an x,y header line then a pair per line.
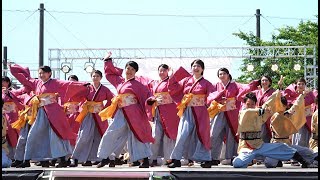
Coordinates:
x,y
215,108
108,111
23,116
35,104
87,107
185,101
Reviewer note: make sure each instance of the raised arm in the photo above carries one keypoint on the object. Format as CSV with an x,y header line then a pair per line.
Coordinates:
x,y
23,75
69,89
175,85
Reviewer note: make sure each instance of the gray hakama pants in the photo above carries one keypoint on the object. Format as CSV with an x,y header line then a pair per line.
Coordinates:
x,y
219,129
43,143
279,151
5,160
115,138
305,152
88,141
163,145
22,140
187,133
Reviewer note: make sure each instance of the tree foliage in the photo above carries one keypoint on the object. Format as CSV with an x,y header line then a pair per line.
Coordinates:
x,y
306,33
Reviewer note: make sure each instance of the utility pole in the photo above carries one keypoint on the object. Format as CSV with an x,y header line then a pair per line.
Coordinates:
x,y
41,34
258,22
258,60
5,61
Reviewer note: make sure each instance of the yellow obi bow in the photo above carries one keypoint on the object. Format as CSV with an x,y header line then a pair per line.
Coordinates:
x,y
108,111
185,101
23,116
89,107
154,107
35,104
215,108
166,99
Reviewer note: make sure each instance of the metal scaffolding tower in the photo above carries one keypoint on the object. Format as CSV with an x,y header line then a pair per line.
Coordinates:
x,y
58,56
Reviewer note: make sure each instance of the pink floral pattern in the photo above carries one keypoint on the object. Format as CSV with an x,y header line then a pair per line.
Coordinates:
x,y
72,108
127,100
9,107
164,98
230,104
48,99
97,108
197,100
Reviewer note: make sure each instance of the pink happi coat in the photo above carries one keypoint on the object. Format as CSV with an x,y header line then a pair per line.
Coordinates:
x,y
230,91
80,98
177,88
55,112
135,114
168,112
101,94
291,95
13,96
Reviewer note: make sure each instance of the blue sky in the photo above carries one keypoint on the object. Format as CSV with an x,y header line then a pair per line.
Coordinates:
x,y
20,30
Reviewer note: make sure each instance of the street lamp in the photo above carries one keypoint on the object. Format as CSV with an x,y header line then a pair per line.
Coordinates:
x,y
65,68
89,66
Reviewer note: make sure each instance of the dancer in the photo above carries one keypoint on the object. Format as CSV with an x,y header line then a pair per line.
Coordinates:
x,y
91,126
194,128
291,93
165,118
249,130
50,132
225,124
130,121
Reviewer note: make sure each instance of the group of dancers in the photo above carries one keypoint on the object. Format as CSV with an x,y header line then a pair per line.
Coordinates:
x,y
178,117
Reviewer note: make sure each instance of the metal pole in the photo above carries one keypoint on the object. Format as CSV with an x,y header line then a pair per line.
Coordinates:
x,y
41,34
258,23
5,61
305,63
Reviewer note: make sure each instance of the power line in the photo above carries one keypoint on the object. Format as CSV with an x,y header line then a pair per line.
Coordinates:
x,y
169,15
235,28
66,29
268,21
25,20
137,14
69,31
17,10
277,17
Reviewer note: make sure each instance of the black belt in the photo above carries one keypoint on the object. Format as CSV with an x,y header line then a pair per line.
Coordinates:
x,y
274,134
280,137
250,135
314,136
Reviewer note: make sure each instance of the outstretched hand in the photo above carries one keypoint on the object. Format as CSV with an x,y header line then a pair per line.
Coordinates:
x,y
108,55
9,63
280,83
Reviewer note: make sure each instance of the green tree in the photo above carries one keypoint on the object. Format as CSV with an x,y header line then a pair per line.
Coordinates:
x,y
306,33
